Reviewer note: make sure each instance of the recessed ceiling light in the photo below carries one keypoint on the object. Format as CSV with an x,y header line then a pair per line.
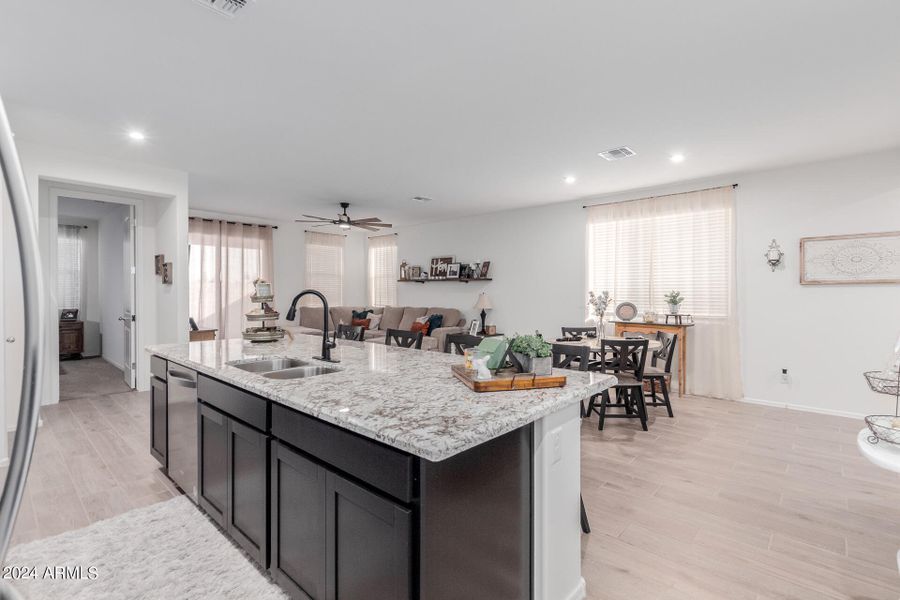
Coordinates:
x,y
137,136
570,179
677,158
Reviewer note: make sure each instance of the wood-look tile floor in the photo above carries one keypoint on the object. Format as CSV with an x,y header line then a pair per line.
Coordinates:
x,y
737,501
726,500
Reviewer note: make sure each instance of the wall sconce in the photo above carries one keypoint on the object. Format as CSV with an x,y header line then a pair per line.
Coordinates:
x,y
774,255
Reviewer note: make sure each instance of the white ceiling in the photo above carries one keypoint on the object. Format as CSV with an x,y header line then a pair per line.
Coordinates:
x,y
296,105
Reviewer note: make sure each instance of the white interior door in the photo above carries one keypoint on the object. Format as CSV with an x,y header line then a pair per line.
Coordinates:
x,y
128,317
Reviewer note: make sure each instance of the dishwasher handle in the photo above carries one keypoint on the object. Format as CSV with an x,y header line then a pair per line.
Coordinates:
x,y
186,379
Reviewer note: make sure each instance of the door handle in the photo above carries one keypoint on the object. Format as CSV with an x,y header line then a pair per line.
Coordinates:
x,y
123,319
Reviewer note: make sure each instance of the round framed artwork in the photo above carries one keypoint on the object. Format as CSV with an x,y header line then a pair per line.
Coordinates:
x,y
626,311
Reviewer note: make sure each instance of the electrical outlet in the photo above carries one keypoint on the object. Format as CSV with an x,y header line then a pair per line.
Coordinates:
x,y
556,440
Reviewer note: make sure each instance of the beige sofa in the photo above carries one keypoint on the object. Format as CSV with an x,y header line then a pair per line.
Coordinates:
x,y
309,322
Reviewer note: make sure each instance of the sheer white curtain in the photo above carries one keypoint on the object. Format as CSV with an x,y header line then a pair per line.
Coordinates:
x,y
643,249
324,267
383,270
225,260
70,273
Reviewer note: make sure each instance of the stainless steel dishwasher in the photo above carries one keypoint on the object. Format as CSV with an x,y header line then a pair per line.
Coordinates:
x,y
182,422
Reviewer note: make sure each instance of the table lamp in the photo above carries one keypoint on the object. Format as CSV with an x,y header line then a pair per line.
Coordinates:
x,y
483,304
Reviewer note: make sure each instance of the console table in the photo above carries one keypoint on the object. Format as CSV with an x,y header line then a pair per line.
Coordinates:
x,y
679,329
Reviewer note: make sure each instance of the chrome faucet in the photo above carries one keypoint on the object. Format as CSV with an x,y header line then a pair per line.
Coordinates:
x,y
327,344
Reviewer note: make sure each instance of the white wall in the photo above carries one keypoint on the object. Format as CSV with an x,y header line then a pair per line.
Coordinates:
x,y
162,228
826,336
90,316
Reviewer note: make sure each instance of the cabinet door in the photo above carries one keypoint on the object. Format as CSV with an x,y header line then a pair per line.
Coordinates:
x,y
213,462
298,524
369,550
248,506
159,418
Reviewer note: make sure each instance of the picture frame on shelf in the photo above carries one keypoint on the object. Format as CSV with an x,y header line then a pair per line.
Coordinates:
x,y
453,271
473,327
439,265
485,270
415,272
68,314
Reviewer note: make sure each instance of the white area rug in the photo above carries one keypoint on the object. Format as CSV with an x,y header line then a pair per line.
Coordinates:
x,y
167,551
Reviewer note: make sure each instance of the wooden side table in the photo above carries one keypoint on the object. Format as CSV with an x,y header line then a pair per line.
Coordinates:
x,y
71,338
678,329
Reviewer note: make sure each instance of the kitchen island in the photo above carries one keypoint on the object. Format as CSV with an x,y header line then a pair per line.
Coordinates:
x,y
382,476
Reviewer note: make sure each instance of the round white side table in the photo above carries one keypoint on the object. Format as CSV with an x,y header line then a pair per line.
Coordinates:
x,y
884,454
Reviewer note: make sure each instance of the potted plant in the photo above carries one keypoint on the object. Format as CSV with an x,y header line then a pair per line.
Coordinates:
x,y
674,300
533,353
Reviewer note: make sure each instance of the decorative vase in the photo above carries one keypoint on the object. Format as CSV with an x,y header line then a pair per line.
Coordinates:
x,y
601,328
673,309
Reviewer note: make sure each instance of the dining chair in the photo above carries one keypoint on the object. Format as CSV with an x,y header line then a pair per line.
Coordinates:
x,y
460,342
403,338
661,376
350,332
570,356
577,331
626,360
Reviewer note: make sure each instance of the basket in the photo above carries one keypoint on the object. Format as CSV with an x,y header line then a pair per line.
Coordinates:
x,y
881,428
883,382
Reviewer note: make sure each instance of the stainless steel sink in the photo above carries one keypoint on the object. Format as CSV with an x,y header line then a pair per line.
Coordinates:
x,y
300,372
270,364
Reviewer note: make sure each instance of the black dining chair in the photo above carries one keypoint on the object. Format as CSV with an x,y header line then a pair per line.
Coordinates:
x,y
626,360
403,338
578,331
350,332
661,376
460,342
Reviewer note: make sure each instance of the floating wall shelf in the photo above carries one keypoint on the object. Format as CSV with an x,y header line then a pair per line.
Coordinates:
x,y
447,279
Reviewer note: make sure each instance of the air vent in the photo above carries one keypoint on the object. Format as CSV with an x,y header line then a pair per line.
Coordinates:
x,y
228,8
421,199
617,153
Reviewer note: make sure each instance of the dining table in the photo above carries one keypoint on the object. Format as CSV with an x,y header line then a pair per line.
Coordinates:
x,y
594,343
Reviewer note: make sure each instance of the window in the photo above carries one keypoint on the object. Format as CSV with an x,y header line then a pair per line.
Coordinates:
x,y
70,272
382,270
643,249
224,261
324,267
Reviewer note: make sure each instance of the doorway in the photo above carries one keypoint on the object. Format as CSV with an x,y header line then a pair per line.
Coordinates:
x,y
94,281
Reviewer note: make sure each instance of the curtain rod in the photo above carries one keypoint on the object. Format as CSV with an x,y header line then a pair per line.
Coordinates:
x,y
232,222
718,187
382,235
325,233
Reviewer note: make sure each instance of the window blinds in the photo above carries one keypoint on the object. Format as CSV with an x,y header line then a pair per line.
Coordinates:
x,y
643,249
69,267
382,270
324,267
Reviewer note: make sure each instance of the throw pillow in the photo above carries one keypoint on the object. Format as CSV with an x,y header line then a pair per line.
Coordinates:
x,y
434,321
358,322
417,327
374,321
361,314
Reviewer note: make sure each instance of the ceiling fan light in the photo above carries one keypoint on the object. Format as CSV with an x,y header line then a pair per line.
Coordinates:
x,y
344,225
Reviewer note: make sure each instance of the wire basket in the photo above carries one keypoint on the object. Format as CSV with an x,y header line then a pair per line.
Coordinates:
x,y
883,382
882,428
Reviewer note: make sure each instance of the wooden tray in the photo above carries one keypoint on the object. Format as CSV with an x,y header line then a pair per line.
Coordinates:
x,y
507,380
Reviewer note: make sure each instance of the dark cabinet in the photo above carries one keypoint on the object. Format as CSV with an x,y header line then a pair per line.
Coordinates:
x,y
369,544
233,479
298,523
159,408
247,508
212,462
334,539
71,337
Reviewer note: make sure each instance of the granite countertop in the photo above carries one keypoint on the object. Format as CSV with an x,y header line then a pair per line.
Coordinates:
x,y
404,398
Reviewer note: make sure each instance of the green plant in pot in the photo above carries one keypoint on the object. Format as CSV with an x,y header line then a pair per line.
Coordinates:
x,y
533,353
674,300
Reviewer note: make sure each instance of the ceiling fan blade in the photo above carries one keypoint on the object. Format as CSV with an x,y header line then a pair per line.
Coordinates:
x,y
315,217
367,220
378,224
326,221
364,226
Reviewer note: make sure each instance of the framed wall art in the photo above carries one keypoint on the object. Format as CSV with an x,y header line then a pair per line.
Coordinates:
x,y
850,259
439,266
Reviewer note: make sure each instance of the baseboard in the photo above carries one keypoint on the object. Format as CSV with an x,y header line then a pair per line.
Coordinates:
x,y
804,408
12,428
579,593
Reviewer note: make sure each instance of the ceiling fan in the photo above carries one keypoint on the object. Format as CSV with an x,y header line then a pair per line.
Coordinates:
x,y
344,221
